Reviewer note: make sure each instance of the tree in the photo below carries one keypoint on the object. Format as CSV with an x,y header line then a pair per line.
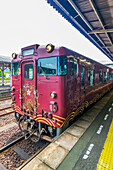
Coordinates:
x,y
0,73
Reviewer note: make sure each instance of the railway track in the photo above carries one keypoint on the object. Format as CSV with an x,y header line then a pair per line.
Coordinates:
x,y
16,147
5,108
32,157
11,144
7,113
5,98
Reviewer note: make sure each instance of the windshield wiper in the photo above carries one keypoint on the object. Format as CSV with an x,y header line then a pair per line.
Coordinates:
x,y
44,73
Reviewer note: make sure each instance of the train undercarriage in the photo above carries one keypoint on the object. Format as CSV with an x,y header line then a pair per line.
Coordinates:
x,y
36,130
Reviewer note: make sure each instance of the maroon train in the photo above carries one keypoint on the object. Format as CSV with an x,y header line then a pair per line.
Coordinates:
x,y
50,86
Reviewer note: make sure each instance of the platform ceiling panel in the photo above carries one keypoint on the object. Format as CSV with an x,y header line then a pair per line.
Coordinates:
x,y
93,18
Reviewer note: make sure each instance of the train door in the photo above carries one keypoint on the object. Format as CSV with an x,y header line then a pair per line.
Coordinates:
x,y
82,87
28,85
76,84
90,87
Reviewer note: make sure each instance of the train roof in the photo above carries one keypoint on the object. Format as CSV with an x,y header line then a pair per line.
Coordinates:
x,y
38,47
83,56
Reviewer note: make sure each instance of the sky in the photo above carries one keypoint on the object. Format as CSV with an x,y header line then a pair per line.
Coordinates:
x,y
27,22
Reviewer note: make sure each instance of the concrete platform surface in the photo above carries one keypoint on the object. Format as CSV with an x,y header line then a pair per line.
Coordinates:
x,y
79,147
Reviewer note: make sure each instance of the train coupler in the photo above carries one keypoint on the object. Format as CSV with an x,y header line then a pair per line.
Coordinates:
x,y
28,135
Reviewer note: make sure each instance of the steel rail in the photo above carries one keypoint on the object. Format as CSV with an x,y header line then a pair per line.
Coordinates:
x,y
5,98
11,144
5,108
4,114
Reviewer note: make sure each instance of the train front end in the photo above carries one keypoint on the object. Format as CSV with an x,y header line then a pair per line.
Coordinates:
x,y
38,95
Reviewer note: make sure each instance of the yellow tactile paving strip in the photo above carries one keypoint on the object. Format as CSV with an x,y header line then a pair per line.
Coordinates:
x,y
106,159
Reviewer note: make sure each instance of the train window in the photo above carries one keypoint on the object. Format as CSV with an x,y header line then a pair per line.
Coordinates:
x,y
110,76
90,77
47,66
71,66
62,65
28,71
82,75
16,69
100,76
76,67
105,76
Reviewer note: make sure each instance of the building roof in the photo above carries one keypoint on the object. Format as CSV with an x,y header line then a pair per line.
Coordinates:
x,y
93,18
5,61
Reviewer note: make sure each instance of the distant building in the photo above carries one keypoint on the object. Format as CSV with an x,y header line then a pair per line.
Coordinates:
x,y
5,62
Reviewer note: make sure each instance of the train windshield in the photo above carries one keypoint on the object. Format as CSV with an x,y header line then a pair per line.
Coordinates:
x,y
52,65
16,69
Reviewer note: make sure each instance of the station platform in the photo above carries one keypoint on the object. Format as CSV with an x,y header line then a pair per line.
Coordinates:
x,y
85,145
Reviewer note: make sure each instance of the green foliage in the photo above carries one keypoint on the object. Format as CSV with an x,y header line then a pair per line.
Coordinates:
x,y
4,75
0,73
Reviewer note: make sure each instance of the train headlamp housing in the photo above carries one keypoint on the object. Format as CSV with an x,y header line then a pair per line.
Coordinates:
x,y
13,97
14,55
49,48
53,95
12,88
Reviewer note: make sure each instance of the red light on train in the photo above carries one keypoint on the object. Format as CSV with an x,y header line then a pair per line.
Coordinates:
x,y
53,106
49,48
13,97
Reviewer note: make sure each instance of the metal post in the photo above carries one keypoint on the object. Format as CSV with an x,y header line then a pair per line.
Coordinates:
x,y
10,76
3,75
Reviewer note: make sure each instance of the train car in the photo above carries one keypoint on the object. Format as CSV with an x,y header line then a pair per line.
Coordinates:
x,y
51,85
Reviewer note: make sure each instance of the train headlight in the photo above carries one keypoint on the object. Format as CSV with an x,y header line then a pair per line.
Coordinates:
x,y
49,48
13,97
12,88
14,55
53,95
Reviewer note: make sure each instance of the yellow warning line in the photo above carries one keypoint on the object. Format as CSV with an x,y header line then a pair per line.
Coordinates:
x,y
106,159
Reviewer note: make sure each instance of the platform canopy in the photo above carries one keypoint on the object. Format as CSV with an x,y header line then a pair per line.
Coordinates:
x,y
5,61
93,18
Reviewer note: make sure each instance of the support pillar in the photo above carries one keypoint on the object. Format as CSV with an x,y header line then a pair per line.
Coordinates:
x,y
3,75
10,76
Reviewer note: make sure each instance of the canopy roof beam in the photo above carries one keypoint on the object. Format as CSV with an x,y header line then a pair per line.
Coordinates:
x,y
101,31
108,46
95,27
97,14
83,18
87,23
